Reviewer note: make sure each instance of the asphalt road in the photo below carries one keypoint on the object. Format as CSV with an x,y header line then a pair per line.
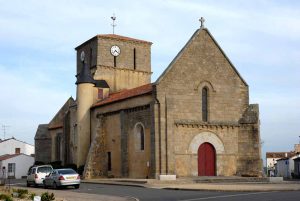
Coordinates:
x,y
147,194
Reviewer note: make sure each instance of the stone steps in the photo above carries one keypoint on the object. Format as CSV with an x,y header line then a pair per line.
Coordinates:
x,y
230,179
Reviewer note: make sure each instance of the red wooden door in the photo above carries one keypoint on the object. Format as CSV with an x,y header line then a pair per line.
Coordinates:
x,y
206,160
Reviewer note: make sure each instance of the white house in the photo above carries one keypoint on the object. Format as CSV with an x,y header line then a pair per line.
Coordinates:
x,y
272,159
14,146
15,165
285,167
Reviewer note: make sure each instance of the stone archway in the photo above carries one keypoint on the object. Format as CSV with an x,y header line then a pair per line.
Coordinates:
x,y
203,137
206,137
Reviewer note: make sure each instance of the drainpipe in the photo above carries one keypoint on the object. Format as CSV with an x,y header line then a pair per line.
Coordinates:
x,y
166,133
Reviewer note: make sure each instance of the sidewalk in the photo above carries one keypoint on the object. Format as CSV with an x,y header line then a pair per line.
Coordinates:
x,y
185,184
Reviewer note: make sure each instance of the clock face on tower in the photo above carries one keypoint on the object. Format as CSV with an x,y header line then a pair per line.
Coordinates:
x,y
115,50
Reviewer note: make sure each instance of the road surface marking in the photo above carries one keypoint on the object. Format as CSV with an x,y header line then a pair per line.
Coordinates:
x,y
225,196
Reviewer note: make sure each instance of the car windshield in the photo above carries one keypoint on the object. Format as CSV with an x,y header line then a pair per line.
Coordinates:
x,y
68,171
44,170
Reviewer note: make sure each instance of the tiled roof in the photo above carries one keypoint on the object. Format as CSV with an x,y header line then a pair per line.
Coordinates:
x,y
113,36
124,38
7,156
55,126
128,93
279,154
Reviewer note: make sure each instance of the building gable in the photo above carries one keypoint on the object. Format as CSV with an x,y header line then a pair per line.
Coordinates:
x,y
200,39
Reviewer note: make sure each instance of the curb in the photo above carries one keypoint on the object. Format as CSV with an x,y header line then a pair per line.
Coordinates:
x,y
115,183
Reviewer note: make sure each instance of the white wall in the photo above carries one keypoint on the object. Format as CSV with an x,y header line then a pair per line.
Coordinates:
x,y
271,162
9,146
285,170
23,162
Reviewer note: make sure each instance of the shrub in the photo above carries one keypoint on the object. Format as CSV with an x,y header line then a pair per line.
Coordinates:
x,y
56,164
39,163
47,197
21,192
72,166
5,197
80,169
31,196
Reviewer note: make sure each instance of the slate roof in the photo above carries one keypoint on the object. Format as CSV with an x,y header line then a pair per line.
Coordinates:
x,y
101,84
125,94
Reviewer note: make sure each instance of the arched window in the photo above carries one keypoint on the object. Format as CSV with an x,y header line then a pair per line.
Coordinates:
x,y
205,104
139,137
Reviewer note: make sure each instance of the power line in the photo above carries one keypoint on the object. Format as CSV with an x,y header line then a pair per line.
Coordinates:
x,y
4,128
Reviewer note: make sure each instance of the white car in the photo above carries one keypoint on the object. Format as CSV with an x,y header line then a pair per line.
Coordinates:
x,y
61,178
37,174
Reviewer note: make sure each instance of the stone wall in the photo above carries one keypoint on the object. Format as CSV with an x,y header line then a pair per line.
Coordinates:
x,y
113,130
124,75
122,78
189,136
201,63
43,150
126,58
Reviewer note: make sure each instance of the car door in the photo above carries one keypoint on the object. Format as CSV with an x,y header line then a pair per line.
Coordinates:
x,y
31,175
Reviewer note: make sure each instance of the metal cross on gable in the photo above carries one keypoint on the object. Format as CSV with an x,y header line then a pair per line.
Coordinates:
x,y
202,20
113,24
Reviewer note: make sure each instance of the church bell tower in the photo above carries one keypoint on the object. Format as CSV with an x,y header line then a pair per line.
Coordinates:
x,y
123,62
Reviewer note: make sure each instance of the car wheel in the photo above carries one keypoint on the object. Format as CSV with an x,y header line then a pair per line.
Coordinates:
x,y
45,186
54,185
76,186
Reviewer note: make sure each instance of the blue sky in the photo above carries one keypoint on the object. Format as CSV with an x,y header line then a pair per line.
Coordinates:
x,y
37,56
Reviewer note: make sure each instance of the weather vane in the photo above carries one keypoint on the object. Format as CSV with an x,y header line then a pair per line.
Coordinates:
x,y
202,20
113,24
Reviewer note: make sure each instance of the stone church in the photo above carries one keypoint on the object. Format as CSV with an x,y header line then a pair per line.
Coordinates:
x,y
194,120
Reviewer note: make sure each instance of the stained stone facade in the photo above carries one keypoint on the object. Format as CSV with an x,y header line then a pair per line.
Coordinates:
x,y
121,125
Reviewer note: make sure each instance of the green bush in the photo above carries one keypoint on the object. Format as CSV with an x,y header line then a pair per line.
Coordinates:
x,y
47,197
21,192
31,196
56,164
5,197
72,166
39,163
80,169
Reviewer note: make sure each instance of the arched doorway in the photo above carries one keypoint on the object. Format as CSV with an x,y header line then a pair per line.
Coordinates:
x,y
206,160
